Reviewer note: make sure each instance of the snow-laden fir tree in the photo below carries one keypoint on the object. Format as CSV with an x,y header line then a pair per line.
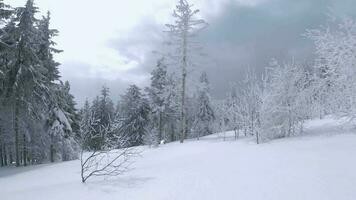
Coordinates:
x,y
61,111
47,48
106,107
100,114
62,124
135,112
26,80
159,98
183,33
39,119
205,113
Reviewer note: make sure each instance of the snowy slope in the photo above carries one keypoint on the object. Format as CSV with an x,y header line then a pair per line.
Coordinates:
x,y
317,167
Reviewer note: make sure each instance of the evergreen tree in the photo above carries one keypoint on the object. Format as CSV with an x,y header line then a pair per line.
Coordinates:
x,y
205,115
135,110
26,77
159,98
46,49
37,115
182,34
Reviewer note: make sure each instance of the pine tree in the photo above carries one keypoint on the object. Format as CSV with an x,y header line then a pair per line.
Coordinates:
x,y
106,113
25,77
135,110
46,49
182,33
159,98
205,115
29,91
85,123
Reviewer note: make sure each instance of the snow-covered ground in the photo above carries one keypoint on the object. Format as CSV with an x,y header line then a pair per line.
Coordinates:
x,y
318,166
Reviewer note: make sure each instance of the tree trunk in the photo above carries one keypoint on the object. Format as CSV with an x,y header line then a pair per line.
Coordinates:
x,y
183,117
16,127
10,156
51,149
1,155
172,133
184,75
24,156
1,150
5,155
160,128
236,133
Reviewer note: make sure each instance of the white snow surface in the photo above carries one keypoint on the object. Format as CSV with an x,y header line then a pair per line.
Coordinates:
x,y
318,166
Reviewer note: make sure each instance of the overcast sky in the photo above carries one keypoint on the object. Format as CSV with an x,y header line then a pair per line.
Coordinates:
x,y
110,42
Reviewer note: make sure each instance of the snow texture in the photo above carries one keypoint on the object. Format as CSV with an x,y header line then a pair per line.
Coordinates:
x,y
318,166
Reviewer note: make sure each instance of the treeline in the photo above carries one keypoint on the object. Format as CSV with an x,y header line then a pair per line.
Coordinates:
x,y
38,119
146,116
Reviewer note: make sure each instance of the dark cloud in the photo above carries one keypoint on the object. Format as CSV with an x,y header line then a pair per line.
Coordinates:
x,y
238,37
250,36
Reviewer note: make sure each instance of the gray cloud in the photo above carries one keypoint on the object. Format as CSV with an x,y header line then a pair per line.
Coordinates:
x,y
238,37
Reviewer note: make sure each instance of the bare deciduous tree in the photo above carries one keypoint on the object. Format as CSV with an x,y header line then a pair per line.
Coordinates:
x,y
113,159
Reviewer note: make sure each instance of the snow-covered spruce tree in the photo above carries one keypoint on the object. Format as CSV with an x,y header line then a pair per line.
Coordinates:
x,y
135,112
159,98
182,34
106,110
172,110
205,114
47,49
335,67
31,97
62,124
283,101
101,114
57,123
26,81
85,116
5,13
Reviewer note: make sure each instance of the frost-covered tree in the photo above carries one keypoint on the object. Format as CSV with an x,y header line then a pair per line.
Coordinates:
x,y
183,33
251,102
135,112
159,98
222,117
335,67
283,101
172,110
100,114
38,115
233,106
47,48
26,80
62,124
205,113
